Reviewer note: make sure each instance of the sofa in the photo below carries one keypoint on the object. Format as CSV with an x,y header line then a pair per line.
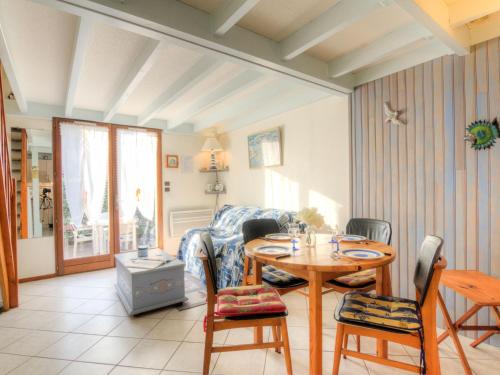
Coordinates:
x,y
226,232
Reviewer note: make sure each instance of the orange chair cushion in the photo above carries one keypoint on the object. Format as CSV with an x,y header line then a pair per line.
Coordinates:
x,y
358,279
249,300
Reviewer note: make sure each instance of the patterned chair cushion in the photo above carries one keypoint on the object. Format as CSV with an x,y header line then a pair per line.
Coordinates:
x,y
279,278
391,313
249,300
356,280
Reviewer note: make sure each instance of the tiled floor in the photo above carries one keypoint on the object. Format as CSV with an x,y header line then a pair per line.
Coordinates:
x,y
75,325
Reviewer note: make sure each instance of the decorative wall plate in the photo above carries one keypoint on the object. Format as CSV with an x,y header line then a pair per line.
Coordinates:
x,y
482,134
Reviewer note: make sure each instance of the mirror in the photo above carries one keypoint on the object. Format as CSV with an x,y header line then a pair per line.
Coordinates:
x,y
32,156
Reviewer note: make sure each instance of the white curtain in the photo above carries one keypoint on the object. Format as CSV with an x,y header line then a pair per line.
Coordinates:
x,y
72,170
95,170
136,173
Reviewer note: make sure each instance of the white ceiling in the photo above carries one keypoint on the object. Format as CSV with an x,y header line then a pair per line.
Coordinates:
x,y
195,64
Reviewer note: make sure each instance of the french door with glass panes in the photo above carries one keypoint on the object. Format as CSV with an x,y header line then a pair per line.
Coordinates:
x,y
107,192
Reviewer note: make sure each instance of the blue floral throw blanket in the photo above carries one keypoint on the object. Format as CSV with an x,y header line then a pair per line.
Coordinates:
x,y
227,238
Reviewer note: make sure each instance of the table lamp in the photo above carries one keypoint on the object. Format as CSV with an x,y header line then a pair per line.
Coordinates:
x,y
212,145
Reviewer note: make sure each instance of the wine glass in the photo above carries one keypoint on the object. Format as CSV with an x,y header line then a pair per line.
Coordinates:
x,y
293,231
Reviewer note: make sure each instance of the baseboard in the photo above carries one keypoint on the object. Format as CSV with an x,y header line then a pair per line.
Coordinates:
x,y
36,278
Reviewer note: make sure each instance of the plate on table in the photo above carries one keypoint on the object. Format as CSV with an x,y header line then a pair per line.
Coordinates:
x,y
272,250
352,238
278,237
362,254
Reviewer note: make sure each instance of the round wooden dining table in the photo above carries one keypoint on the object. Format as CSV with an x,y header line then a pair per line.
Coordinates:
x,y
317,265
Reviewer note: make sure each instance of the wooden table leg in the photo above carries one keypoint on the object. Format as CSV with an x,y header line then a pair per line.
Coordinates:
x,y
453,334
474,309
315,324
488,334
383,288
257,272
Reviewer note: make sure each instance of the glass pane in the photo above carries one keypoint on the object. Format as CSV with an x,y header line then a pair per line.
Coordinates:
x,y
136,174
84,154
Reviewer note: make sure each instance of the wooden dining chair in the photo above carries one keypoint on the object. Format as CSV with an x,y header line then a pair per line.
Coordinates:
x,y
284,282
241,307
363,281
404,321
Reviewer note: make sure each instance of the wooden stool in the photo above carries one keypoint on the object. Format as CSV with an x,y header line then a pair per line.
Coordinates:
x,y
481,289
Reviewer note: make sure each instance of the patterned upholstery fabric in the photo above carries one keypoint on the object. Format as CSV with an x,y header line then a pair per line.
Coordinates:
x,y
356,280
279,278
249,300
392,313
227,238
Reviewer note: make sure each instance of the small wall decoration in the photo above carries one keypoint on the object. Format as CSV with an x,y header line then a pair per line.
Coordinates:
x,y
264,149
172,161
482,134
392,116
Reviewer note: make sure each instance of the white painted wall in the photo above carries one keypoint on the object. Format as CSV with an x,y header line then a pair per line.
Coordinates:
x,y
315,170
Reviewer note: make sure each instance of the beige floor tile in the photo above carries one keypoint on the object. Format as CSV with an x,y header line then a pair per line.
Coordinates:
x,y
158,313
10,335
66,322
175,330
40,366
484,367
83,368
240,336
150,354
115,309
198,335
482,351
70,346
110,350
107,293
249,362
134,327
377,369
275,364
120,370
68,291
369,346
34,289
295,301
189,358
190,314
100,325
33,343
181,373
11,317
93,307
297,318
52,304
9,362
299,338
37,320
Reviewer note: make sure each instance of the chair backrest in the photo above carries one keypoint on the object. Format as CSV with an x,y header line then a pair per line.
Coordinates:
x,y
256,228
373,229
430,252
207,248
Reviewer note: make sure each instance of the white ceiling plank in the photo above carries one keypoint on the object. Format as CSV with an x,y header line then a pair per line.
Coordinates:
x,y
189,79
238,84
289,101
465,11
434,16
81,44
432,50
142,66
486,29
10,70
376,50
268,91
230,13
178,23
335,19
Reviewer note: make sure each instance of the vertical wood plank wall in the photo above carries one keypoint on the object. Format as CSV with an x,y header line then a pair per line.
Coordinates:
x,y
423,177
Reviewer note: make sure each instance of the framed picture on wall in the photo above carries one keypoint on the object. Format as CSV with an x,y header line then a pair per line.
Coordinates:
x,y
264,149
172,161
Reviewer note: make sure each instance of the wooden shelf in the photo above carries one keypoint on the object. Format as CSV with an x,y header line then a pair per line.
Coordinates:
x,y
214,170
215,192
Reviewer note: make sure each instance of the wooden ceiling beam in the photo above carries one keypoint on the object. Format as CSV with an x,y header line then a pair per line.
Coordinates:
x,y
230,13
141,67
378,49
434,15
234,86
335,19
465,11
185,82
80,47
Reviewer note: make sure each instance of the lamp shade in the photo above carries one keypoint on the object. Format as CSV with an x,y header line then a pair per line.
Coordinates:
x,y
211,144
